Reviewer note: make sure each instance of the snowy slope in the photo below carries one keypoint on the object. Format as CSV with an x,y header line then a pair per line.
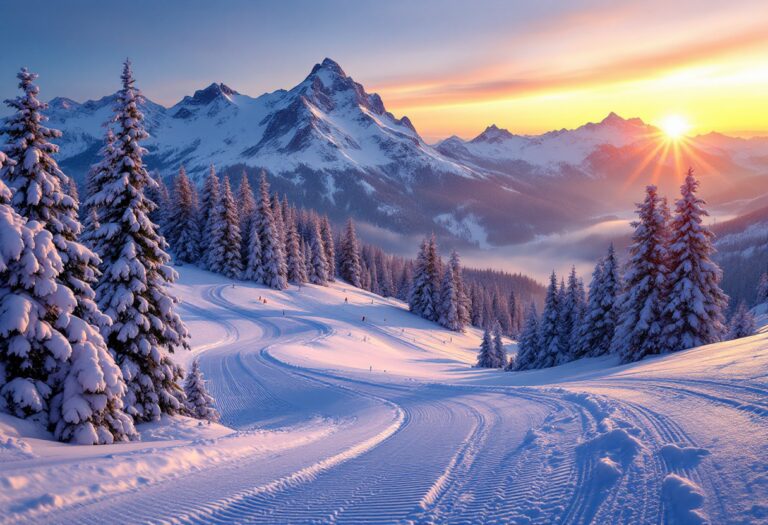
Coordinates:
x,y
329,418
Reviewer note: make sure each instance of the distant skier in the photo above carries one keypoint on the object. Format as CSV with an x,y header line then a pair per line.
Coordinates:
x,y
363,318
346,301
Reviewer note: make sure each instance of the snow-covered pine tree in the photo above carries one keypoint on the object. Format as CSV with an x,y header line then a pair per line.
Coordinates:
x,y
246,209
306,253
199,401
33,347
424,296
208,199
498,346
463,303
742,322
486,358
695,303
349,264
86,383
477,306
89,211
549,327
297,271
182,231
158,193
404,287
501,310
224,255
326,234
277,215
88,409
133,289
318,271
640,306
39,194
87,405
514,321
272,270
570,311
600,317
449,303
528,347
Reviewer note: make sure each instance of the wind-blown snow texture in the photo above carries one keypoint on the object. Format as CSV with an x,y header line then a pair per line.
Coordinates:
x,y
326,418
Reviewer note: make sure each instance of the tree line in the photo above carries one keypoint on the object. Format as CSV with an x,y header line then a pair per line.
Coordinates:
x,y
667,298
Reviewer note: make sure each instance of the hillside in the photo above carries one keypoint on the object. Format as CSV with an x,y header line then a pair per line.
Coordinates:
x,y
316,403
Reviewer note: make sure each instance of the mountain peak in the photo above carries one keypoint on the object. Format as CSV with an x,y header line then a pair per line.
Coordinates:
x,y
62,103
213,92
493,134
329,65
612,118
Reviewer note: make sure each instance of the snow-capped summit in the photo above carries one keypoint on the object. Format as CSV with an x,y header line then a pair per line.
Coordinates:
x,y
493,134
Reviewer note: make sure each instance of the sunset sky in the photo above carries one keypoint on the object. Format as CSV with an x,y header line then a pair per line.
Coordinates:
x,y
453,67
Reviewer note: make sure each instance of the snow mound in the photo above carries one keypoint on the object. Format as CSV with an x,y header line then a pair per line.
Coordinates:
x,y
684,499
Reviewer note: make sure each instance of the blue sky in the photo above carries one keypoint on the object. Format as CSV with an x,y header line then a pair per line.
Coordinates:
x,y
451,66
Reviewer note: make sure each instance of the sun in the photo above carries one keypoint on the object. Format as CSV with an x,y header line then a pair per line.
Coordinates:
x,y
675,126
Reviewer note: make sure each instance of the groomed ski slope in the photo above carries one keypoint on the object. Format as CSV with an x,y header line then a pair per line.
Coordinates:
x,y
331,419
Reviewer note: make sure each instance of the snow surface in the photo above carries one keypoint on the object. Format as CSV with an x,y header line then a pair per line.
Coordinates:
x,y
329,418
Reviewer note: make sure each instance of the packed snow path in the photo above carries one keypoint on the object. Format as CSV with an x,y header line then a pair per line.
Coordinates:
x,y
431,440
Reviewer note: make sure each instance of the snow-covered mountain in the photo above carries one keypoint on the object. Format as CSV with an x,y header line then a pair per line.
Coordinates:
x,y
329,144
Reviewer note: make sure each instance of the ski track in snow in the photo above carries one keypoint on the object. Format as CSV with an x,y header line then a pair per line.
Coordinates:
x,y
597,451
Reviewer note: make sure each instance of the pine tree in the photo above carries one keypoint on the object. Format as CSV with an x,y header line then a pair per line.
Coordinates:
x,y
39,194
528,345
549,327
133,289
477,307
199,401
742,322
208,199
33,347
424,299
86,385
349,264
297,271
91,221
640,306
330,251
570,310
224,250
182,231
449,303
277,215
158,193
88,410
695,303
600,318
246,209
498,346
271,270
463,303
514,320
486,358
318,270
